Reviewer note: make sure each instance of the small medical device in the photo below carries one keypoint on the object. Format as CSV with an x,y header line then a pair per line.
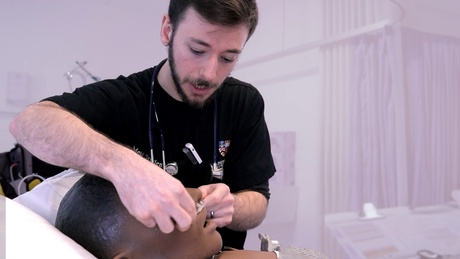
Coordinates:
x,y
267,244
191,153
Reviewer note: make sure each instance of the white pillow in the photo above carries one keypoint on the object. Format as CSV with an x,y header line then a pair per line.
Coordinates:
x,y
30,236
45,198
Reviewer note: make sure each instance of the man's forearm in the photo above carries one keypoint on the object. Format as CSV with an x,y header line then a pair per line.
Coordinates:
x,y
250,209
59,137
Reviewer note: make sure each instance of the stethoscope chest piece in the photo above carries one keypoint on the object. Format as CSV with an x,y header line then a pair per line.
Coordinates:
x,y
172,168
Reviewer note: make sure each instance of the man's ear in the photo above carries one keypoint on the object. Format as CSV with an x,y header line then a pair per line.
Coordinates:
x,y
166,30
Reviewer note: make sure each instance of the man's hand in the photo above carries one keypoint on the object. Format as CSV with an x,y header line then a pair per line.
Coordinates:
x,y
240,211
219,203
155,198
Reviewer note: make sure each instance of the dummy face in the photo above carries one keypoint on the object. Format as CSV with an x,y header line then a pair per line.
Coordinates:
x,y
200,241
201,55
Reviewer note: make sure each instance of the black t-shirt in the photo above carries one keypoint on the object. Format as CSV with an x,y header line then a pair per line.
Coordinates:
x,y
120,109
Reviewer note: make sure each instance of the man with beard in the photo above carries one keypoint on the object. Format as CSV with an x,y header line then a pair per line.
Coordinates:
x,y
192,124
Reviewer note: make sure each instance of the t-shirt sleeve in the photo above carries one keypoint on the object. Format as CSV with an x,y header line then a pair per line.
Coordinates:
x,y
113,107
249,162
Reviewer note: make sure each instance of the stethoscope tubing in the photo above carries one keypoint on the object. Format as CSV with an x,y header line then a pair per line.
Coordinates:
x,y
153,112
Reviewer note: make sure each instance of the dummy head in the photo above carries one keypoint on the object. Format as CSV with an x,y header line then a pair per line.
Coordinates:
x,y
228,13
92,214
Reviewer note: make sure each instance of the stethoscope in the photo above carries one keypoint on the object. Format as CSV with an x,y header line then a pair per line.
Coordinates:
x,y
172,168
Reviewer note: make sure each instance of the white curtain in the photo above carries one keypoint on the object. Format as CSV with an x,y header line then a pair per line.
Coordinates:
x,y
432,68
373,174
391,120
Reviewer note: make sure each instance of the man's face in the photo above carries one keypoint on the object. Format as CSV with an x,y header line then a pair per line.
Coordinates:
x,y
201,240
201,55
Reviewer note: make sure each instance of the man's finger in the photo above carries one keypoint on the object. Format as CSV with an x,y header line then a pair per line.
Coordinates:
x,y
185,213
204,190
165,224
150,222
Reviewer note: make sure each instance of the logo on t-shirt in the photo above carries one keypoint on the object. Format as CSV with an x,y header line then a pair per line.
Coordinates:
x,y
223,147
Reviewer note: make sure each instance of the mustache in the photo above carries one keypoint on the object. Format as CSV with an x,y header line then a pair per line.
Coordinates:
x,y
202,82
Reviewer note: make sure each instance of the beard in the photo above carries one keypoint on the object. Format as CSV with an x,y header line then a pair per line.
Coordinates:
x,y
196,102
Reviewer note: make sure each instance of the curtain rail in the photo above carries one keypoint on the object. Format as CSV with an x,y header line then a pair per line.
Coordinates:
x,y
317,44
